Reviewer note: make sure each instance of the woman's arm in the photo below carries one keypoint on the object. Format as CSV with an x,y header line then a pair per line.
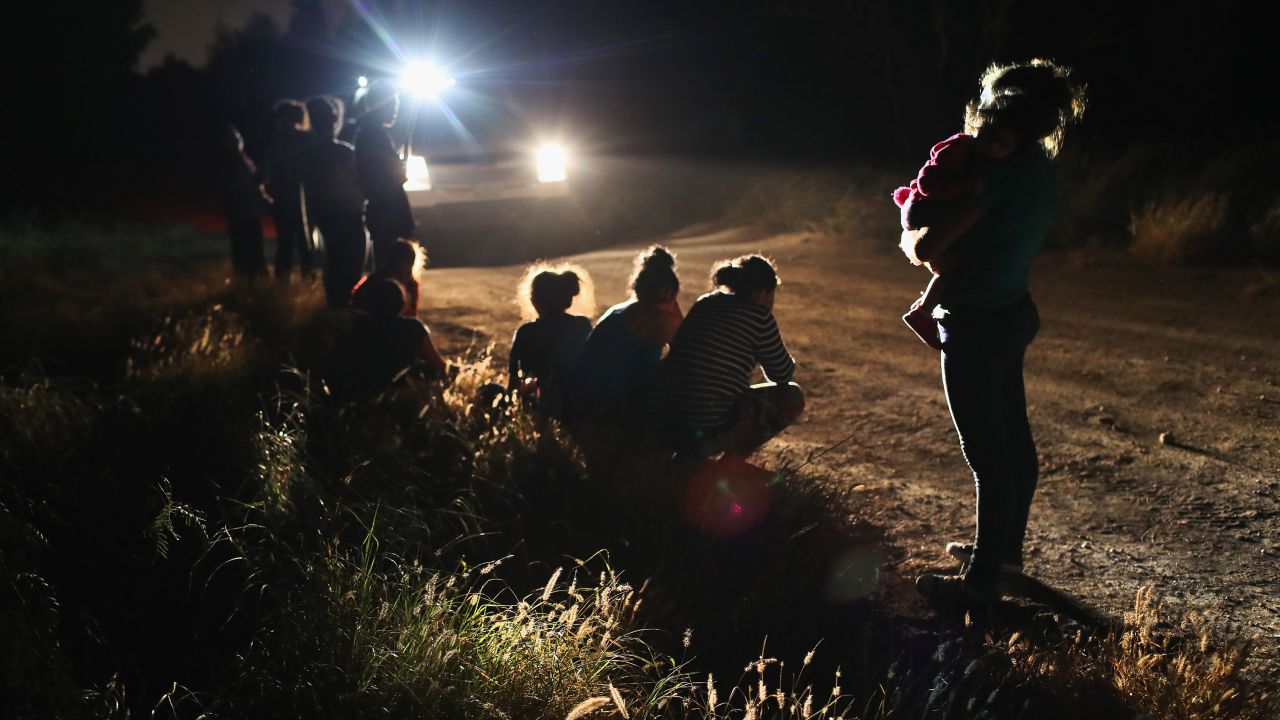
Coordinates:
x,y
932,243
513,362
431,356
771,353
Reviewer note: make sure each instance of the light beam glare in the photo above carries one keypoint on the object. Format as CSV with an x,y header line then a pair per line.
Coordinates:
x,y
424,79
378,24
469,140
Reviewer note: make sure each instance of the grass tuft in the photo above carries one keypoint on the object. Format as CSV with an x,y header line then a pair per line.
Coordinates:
x,y
1180,229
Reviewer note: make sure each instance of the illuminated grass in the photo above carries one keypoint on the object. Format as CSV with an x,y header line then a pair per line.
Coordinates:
x,y
1181,229
349,564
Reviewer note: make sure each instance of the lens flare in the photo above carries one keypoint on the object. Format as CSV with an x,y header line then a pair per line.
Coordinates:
x,y
416,171
725,498
425,80
551,163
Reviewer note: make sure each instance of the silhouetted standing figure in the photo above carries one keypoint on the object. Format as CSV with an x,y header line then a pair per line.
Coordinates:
x,y
986,318
334,201
242,203
287,141
382,173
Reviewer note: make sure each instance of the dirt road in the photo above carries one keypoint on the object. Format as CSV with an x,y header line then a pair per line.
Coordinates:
x,y
1125,355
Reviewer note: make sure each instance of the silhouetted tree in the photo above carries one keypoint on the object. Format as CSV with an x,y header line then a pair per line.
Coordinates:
x,y
71,63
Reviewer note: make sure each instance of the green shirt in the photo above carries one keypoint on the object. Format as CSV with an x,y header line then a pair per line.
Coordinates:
x,y
994,256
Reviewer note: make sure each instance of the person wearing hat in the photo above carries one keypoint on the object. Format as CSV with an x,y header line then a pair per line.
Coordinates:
x,y
382,173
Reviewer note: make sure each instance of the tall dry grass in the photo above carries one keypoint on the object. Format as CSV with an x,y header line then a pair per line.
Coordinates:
x,y
1174,666
211,533
1191,673
1180,229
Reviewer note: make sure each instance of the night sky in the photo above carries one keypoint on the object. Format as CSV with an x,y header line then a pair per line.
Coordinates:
x,y
783,80
186,28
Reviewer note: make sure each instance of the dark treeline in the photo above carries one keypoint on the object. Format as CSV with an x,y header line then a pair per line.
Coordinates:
x,y
758,79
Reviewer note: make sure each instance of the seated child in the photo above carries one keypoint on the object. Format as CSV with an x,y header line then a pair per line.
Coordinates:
x,y
950,175
382,345
545,351
401,261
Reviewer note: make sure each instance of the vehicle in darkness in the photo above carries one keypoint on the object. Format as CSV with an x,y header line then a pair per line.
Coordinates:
x,y
472,145
483,151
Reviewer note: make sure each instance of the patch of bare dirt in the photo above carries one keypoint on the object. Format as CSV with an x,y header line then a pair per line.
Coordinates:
x,y
1126,355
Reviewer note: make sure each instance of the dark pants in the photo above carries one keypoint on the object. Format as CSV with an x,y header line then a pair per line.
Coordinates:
x,y
345,248
248,256
291,237
389,219
982,352
382,243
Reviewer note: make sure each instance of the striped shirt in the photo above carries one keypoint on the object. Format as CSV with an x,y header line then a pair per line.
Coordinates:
x,y
712,355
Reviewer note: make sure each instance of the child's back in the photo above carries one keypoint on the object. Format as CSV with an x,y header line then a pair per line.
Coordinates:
x,y
950,173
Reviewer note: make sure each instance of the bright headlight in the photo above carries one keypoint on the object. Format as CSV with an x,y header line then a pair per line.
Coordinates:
x,y
415,169
424,79
551,163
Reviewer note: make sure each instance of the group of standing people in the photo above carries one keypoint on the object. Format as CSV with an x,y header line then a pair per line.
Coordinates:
x,y
976,216
315,182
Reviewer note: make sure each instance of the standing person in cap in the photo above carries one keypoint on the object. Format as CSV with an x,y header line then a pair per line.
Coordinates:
x,y
382,173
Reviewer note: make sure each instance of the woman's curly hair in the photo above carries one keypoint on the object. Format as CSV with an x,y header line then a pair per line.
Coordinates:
x,y
1037,99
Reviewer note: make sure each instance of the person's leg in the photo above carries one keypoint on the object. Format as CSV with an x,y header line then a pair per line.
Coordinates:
x,y
247,254
1024,462
239,253
973,378
345,249
258,247
284,238
296,235
382,242
765,410
302,239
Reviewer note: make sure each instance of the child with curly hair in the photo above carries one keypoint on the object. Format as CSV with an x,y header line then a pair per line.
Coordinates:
x,y
545,350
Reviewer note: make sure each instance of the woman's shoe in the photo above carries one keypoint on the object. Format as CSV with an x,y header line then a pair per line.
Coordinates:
x,y
957,590
963,552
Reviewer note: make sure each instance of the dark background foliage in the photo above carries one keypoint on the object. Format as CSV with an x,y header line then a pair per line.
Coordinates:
x,y
787,80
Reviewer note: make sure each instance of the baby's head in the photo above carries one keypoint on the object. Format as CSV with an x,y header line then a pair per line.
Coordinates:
x,y
996,142
402,260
